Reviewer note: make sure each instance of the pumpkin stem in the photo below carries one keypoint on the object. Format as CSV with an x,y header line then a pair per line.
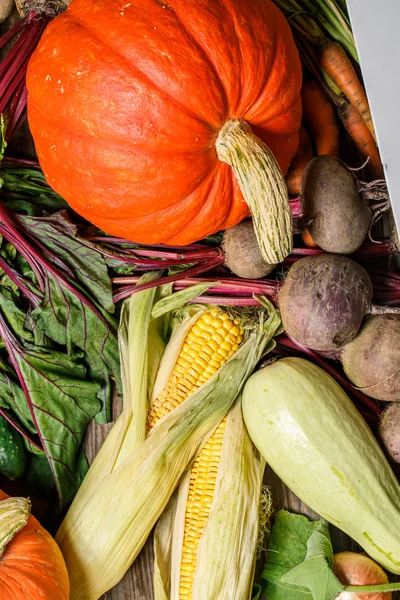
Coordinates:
x,y
263,187
14,515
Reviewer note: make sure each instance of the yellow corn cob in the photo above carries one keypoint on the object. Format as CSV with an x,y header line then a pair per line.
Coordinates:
x,y
203,478
210,343
212,340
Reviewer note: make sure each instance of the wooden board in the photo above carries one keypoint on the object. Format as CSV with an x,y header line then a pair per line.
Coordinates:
x,y
137,583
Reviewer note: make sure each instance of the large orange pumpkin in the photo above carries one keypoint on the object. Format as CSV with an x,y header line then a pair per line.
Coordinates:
x,y
31,564
127,98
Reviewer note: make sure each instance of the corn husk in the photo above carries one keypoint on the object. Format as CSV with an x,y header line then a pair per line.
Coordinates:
x,y
120,500
108,524
227,549
134,353
162,544
132,479
178,299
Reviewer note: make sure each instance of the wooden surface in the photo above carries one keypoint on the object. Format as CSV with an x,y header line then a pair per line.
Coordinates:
x,y
137,583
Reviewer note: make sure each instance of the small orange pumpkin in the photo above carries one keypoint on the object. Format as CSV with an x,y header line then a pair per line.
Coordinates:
x,y
31,564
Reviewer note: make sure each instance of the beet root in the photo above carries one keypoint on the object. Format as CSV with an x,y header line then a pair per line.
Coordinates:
x,y
372,359
389,431
337,216
242,252
323,301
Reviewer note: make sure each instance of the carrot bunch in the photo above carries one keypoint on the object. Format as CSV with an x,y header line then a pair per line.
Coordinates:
x,y
324,38
354,110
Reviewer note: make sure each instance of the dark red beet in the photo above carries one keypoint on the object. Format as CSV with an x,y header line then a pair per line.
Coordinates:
x,y
324,299
389,431
338,217
242,252
372,359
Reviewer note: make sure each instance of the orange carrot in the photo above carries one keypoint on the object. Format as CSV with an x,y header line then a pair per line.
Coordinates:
x,y
320,117
301,159
307,239
362,138
334,60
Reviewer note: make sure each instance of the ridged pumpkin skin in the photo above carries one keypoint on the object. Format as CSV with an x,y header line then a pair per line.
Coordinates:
x,y
126,99
32,566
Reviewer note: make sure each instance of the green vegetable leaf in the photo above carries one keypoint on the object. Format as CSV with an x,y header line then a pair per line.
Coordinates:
x,y
67,250
13,398
315,573
14,314
71,322
26,191
287,549
299,560
67,280
257,591
39,475
61,401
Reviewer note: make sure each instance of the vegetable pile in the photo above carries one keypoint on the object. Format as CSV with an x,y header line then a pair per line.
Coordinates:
x,y
196,235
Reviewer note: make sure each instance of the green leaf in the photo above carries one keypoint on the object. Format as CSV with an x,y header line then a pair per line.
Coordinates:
x,y
76,299
62,403
13,398
69,321
8,252
14,314
299,560
57,394
287,549
39,475
257,591
73,254
33,207
28,192
121,270
315,573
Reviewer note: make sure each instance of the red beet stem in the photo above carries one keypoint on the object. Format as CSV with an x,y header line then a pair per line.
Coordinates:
x,y
13,68
295,206
225,301
11,161
227,286
366,251
386,287
8,36
197,270
17,110
151,247
161,259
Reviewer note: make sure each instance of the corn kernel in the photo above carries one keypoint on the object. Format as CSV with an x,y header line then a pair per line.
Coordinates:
x,y
212,340
201,492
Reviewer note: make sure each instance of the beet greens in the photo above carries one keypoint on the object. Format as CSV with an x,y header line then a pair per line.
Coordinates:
x,y
59,354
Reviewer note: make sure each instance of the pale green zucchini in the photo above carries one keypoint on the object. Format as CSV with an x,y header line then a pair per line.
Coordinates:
x,y
313,437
